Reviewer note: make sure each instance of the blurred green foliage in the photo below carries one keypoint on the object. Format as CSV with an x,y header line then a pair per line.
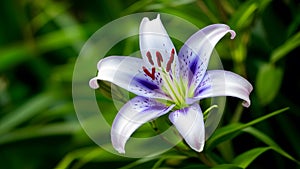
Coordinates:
x,y
39,44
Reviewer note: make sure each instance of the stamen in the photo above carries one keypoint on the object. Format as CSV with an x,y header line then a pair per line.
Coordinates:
x,y
152,74
159,58
170,60
148,54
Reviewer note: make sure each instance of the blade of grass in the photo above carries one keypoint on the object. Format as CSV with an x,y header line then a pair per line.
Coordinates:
x,y
287,47
246,158
233,129
40,131
267,140
26,111
13,55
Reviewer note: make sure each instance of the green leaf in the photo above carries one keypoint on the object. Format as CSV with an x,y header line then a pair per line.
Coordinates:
x,y
267,140
175,158
85,155
244,159
13,55
287,47
60,38
40,131
222,134
244,15
138,162
246,12
51,11
226,166
136,6
198,166
26,111
232,130
268,82
159,158
99,155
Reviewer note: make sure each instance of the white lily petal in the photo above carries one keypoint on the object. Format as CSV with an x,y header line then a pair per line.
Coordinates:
x,y
155,39
189,122
132,115
195,53
126,73
224,83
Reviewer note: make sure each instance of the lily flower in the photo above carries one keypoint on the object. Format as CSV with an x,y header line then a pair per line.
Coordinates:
x,y
165,82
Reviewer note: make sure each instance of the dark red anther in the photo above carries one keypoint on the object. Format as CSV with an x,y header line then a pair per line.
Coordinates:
x,y
173,51
148,54
168,68
152,74
172,56
159,58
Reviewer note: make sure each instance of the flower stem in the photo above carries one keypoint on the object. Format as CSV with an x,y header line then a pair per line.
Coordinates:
x,y
237,114
207,161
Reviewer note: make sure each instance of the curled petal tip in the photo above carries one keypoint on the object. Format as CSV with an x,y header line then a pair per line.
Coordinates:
x,y
246,104
93,83
232,32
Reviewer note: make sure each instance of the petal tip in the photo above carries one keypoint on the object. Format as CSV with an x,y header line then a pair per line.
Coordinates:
x,y
93,83
151,25
200,149
158,16
233,34
246,104
198,146
118,141
120,150
145,19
